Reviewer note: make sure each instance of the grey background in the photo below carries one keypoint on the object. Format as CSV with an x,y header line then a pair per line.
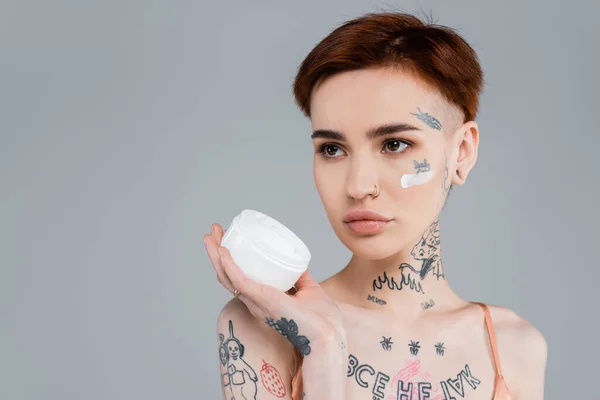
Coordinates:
x,y
128,127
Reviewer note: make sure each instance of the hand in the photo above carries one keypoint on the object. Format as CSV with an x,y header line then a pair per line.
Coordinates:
x,y
304,315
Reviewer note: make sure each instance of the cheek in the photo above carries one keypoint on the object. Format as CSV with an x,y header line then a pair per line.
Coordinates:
x,y
416,207
415,198
411,172
416,192
416,179
329,185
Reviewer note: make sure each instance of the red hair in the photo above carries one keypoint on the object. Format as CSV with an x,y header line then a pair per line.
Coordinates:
x,y
436,54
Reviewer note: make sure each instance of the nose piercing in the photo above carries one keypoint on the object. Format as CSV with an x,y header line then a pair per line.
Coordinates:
x,y
375,191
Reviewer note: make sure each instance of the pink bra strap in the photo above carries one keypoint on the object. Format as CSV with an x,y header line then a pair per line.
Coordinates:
x,y
492,335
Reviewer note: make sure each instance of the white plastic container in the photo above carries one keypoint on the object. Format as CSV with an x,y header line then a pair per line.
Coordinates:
x,y
266,250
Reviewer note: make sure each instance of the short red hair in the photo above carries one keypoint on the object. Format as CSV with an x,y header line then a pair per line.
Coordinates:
x,y
434,53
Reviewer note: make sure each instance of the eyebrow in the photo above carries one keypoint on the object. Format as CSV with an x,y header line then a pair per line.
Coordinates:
x,y
373,133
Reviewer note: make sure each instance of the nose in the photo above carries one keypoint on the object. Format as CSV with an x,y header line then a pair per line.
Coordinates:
x,y
362,178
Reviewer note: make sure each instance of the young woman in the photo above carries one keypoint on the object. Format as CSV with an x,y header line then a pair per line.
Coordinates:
x,y
392,101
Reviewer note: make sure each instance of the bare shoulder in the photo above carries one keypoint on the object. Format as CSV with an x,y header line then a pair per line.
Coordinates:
x,y
254,358
516,334
523,352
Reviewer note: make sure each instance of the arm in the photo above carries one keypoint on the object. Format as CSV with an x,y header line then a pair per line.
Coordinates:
x,y
306,316
324,370
269,360
254,360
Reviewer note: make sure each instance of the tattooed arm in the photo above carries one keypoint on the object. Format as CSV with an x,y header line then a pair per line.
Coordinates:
x,y
305,317
255,361
258,359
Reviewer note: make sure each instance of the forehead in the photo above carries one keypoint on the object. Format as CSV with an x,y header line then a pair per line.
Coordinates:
x,y
365,97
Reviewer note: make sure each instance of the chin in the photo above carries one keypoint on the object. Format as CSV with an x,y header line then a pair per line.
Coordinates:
x,y
372,247
369,251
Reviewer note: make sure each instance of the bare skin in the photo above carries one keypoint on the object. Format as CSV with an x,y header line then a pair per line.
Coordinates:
x,y
404,329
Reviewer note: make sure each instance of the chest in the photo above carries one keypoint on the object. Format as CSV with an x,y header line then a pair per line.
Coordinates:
x,y
390,364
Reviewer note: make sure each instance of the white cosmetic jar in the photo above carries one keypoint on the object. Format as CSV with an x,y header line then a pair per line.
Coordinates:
x,y
265,250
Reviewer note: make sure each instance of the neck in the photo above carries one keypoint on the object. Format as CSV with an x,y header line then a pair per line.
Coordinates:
x,y
408,283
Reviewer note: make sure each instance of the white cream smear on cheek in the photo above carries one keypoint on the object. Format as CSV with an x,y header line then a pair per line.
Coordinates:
x,y
419,178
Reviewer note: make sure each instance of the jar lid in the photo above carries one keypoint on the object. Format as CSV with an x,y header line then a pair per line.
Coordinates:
x,y
275,239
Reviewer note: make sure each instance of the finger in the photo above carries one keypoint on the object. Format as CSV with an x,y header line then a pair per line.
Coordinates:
x,y
306,280
260,294
217,232
225,282
211,249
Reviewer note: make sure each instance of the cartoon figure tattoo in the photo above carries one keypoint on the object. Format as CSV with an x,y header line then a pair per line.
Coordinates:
x,y
240,379
426,251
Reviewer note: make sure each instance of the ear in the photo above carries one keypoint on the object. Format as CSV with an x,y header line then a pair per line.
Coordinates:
x,y
467,143
241,349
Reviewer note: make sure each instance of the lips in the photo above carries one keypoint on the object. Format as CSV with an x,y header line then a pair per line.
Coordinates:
x,y
365,214
366,222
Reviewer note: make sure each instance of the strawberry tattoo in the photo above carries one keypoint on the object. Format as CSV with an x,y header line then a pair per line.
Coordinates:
x,y
272,380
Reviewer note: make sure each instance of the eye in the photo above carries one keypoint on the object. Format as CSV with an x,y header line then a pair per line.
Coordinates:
x,y
330,150
396,145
